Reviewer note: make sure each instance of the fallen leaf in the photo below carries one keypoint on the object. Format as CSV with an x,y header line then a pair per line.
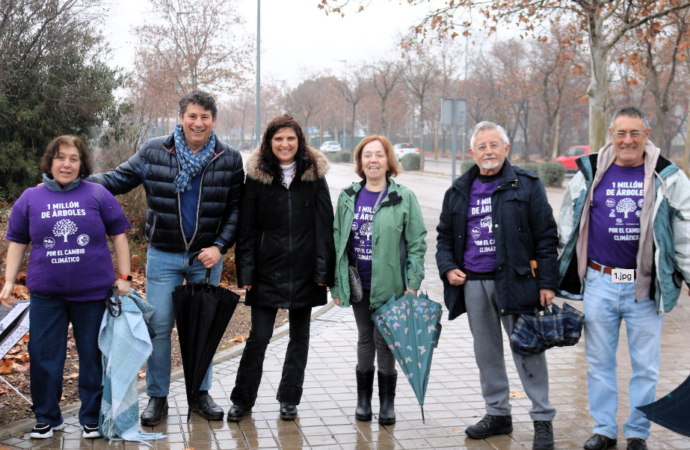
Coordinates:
x,y
6,366
74,375
75,366
136,258
24,339
189,448
517,394
238,339
23,367
142,375
21,357
457,430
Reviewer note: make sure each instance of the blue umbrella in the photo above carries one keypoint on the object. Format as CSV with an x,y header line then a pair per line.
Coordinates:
x,y
411,326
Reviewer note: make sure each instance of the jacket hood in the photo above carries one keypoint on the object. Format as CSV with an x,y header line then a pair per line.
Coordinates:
x,y
258,171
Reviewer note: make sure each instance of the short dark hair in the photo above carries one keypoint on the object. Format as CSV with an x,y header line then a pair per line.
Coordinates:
x,y
201,98
303,157
85,168
630,111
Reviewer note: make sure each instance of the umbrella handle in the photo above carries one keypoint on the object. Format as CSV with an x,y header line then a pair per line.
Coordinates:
x,y
194,256
414,269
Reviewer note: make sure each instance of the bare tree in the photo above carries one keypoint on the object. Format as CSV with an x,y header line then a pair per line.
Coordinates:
x,y
354,89
385,75
421,73
198,44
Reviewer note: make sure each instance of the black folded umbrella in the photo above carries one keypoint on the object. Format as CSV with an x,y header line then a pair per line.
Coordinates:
x,y
202,312
671,411
559,327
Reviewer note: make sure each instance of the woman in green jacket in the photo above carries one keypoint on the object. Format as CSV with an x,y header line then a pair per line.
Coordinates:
x,y
378,225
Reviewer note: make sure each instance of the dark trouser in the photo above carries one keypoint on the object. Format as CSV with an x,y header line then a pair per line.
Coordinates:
x,y
50,318
251,365
370,343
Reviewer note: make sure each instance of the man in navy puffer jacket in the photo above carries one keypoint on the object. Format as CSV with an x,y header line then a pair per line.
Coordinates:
x,y
192,182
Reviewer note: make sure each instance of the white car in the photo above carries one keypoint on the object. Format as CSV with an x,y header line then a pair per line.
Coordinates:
x,y
403,149
330,146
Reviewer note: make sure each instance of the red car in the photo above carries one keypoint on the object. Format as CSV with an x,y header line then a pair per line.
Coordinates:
x,y
568,160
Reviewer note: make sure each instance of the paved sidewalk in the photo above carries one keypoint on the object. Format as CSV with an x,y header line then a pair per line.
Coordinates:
x,y
453,399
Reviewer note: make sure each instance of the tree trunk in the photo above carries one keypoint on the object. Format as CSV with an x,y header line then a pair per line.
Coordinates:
x,y
352,140
686,158
598,92
556,136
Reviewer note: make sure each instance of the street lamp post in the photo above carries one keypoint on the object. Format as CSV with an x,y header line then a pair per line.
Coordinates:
x,y
257,127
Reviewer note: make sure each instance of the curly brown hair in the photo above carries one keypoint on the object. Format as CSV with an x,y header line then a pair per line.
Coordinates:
x,y
85,167
304,158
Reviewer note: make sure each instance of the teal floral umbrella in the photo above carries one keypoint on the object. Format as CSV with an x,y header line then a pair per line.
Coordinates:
x,y
411,326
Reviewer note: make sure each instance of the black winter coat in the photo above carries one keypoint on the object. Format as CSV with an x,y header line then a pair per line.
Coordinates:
x,y
156,166
286,236
524,229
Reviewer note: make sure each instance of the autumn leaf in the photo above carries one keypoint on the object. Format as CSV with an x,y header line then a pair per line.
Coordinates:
x,y
238,339
22,368
6,366
457,430
517,394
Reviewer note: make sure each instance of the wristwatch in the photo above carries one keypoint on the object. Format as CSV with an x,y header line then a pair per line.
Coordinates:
x,y
126,277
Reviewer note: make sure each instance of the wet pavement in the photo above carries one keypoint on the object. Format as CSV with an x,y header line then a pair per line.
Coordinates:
x,y
453,400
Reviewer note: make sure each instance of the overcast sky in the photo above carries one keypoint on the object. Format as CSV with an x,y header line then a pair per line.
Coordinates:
x,y
318,40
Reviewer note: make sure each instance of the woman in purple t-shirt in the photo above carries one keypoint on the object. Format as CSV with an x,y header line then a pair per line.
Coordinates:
x,y
69,275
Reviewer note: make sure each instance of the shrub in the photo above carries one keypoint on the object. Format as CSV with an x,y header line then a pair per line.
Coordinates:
x,y
466,164
411,161
552,174
342,156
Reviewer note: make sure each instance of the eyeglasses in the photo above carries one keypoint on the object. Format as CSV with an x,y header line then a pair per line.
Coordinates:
x,y
634,134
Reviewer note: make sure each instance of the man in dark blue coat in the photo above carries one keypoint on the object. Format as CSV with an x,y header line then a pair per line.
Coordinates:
x,y
497,257
193,183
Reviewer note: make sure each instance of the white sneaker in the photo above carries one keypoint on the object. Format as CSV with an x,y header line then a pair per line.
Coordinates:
x,y
44,431
91,431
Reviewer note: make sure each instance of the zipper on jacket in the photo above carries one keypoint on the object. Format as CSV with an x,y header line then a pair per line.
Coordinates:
x,y
153,227
290,240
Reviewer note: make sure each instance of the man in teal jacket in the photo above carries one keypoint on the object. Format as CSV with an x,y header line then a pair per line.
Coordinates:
x,y
625,249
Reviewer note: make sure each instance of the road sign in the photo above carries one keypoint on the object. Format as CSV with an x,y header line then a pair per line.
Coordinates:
x,y
447,111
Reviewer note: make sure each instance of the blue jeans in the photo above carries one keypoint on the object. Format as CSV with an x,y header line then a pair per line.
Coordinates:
x,y
606,304
48,325
164,272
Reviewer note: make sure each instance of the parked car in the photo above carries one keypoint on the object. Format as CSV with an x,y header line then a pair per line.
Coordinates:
x,y
330,146
568,160
403,149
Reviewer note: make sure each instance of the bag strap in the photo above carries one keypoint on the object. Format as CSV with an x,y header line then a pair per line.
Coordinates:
x,y
366,228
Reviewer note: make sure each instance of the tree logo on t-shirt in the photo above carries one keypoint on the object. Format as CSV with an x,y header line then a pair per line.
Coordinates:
x,y
486,222
627,205
64,227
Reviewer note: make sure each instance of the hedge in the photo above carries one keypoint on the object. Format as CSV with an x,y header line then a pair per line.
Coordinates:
x,y
550,173
411,161
342,156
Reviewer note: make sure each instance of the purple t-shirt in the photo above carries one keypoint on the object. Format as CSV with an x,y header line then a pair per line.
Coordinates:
x,y
364,210
480,245
614,221
69,257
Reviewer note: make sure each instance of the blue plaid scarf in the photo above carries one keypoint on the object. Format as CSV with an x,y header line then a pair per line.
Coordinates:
x,y
192,163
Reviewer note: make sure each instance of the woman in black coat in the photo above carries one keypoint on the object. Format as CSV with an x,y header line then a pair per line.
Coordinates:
x,y
285,257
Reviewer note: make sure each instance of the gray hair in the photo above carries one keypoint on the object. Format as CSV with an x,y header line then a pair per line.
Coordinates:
x,y
486,126
630,111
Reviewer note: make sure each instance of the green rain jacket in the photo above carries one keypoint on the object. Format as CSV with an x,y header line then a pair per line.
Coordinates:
x,y
397,216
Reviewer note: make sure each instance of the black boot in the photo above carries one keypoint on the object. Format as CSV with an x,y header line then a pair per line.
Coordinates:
x,y
387,383
155,411
207,408
365,389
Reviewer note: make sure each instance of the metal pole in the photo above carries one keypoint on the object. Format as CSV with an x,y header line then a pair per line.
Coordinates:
x,y
258,74
344,122
454,147
464,125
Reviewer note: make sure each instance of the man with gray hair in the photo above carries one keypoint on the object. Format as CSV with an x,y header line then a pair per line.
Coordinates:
x,y
625,246
497,257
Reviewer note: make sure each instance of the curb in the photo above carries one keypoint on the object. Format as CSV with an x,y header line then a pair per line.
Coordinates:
x,y
25,425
